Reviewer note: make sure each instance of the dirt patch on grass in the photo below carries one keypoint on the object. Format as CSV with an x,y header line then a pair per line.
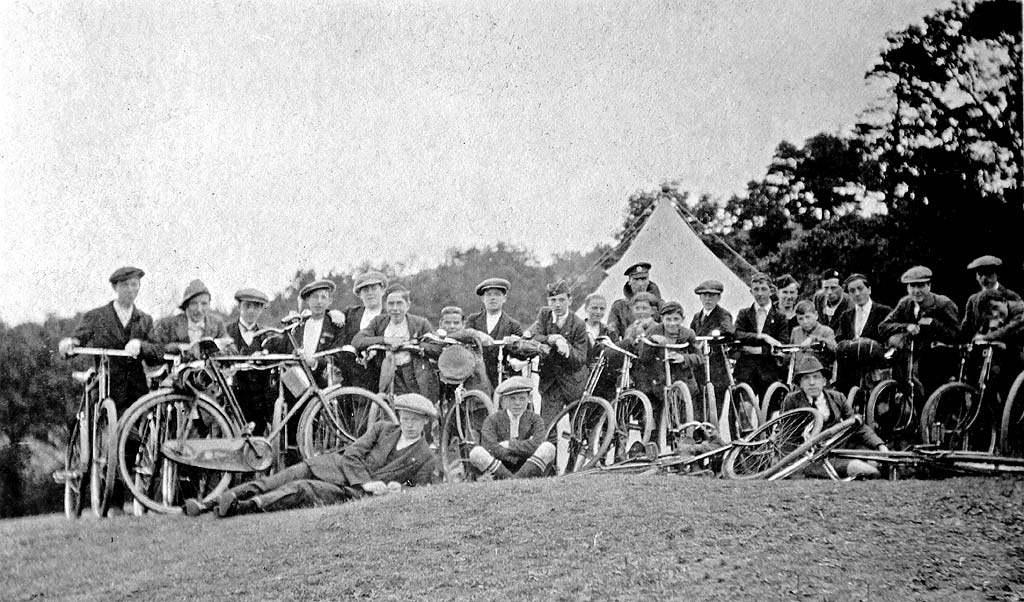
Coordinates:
x,y
606,537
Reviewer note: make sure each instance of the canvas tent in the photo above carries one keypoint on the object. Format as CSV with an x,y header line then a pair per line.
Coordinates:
x,y
680,261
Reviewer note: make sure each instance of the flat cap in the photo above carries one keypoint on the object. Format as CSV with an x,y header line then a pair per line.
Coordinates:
x,y
125,273
496,283
369,278
856,276
916,275
985,261
194,289
315,286
830,275
514,384
808,365
415,403
638,269
672,307
558,288
253,295
710,286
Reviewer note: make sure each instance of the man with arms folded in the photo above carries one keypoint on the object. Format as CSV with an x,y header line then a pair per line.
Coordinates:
x,y
369,287
255,390
512,439
493,321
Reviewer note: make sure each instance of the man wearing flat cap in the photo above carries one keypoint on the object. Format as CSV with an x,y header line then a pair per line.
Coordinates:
x,y
986,272
385,459
255,390
120,325
563,371
179,332
639,275
512,439
834,408
831,302
369,287
928,318
710,318
319,332
493,320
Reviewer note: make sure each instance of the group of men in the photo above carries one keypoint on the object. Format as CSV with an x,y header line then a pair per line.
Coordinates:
x,y
837,321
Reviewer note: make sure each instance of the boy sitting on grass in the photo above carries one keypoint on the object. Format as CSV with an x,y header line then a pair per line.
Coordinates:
x,y
512,439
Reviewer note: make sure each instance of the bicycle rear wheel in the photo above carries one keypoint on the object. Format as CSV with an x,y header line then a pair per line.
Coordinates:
x,y
1011,429
759,454
771,405
157,482
587,428
634,421
460,431
890,410
954,418
355,408
103,472
76,469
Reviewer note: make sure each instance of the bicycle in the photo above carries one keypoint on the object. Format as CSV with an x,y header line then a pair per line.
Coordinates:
x,y
89,453
1011,428
962,416
634,415
739,414
677,404
193,436
892,405
864,354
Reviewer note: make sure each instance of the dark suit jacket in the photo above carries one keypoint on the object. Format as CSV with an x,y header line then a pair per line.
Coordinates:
x,y
973,319
650,374
719,319
945,326
845,305
497,428
775,325
101,327
839,409
845,327
373,457
173,330
255,390
562,378
353,372
373,334
506,326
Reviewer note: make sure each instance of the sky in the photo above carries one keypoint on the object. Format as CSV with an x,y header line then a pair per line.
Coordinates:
x,y
240,142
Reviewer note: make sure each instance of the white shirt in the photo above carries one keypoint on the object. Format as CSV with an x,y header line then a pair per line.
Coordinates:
x,y
861,318
492,322
593,332
761,314
559,322
195,331
404,443
124,315
368,316
400,331
513,426
822,406
247,331
311,334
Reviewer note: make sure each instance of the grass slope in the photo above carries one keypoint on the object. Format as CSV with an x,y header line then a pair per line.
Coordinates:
x,y
605,537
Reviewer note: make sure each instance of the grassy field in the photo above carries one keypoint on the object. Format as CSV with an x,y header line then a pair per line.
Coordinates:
x,y
604,537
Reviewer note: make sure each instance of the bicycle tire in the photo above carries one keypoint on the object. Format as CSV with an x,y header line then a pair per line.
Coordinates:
x,y
771,403
103,469
1011,427
815,449
740,402
157,482
950,419
461,429
634,421
356,408
858,400
76,470
277,426
757,455
589,432
887,407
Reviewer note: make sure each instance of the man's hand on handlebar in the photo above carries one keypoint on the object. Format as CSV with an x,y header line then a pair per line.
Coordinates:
x,y
767,338
66,346
134,347
337,316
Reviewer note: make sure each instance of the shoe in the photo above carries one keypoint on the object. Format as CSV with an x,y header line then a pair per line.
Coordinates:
x,y
636,451
194,507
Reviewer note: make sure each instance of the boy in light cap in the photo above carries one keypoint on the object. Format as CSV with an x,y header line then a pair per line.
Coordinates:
x,y
512,439
385,459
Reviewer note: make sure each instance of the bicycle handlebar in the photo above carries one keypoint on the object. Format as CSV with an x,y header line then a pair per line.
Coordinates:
x,y
647,341
605,341
99,351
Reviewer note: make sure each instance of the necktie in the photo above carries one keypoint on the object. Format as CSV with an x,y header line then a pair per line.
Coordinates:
x,y
861,320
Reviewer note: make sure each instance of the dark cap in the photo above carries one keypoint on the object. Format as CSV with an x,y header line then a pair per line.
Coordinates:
x,y
856,276
251,295
514,384
672,307
638,269
125,273
369,278
194,289
496,283
315,286
985,261
809,365
830,275
916,275
710,286
558,288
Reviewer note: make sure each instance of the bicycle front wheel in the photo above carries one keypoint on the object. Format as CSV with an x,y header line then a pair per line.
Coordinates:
x,y
103,472
759,454
344,415
739,413
953,418
460,431
587,428
1011,430
634,421
771,405
815,449
157,482
76,469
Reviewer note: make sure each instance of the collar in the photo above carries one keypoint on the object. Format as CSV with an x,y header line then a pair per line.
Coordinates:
x,y
766,308
244,327
123,310
866,306
196,325
512,416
